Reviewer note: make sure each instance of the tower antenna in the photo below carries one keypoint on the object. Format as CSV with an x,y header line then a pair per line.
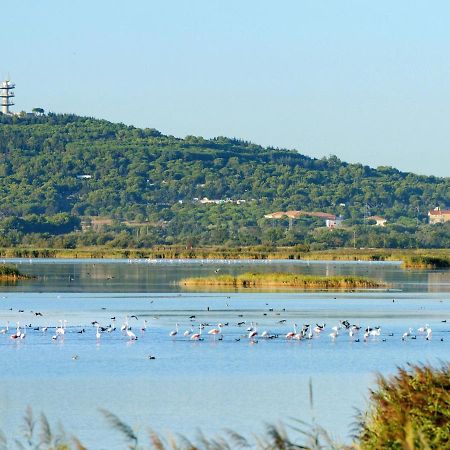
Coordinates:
x,y
7,95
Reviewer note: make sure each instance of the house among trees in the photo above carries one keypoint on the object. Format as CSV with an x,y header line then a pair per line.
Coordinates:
x,y
331,221
380,221
438,215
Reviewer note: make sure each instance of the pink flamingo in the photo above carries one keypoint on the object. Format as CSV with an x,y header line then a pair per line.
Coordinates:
x,y
291,334
214,332
197,336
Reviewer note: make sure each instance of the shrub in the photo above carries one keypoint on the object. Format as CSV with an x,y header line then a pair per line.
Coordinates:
x,y
410,410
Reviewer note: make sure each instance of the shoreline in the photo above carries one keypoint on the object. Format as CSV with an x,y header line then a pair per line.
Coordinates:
x,y
238,253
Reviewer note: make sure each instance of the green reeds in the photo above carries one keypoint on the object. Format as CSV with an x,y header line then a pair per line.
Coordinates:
x,y
11,273
289,280
410,410
426,262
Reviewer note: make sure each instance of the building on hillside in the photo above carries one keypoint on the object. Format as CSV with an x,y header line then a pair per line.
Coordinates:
x,y
331,221
380,221
438,215
334,223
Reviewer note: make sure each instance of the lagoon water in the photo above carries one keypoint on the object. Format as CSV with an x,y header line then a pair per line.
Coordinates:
x,y
209,385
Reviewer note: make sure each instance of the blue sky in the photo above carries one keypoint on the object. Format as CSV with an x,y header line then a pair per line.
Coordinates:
x,y
367,81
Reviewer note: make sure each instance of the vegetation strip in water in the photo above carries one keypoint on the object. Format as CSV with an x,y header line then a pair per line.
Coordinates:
x,y
426,262
250,280
11,273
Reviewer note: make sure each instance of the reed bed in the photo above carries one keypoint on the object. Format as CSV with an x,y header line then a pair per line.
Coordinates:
x,y
290,280
9,273
426,262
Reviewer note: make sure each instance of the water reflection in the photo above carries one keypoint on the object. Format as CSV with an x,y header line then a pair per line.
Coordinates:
x,y
164,276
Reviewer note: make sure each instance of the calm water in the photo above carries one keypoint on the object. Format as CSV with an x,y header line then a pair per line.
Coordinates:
x,y
211,385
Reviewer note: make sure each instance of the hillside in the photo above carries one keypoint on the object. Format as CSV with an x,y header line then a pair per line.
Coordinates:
x,y
80,166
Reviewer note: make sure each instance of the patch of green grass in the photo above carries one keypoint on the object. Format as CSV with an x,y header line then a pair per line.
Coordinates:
x,y
255,280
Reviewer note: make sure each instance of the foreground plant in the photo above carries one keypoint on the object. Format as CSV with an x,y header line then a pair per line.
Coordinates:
x,y
410,410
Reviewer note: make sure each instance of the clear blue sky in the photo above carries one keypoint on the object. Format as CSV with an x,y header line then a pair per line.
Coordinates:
x,y
368,81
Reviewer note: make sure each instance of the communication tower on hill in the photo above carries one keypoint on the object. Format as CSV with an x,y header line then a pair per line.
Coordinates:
x,y
7,94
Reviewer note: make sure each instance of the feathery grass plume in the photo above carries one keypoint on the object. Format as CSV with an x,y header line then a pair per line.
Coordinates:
x,y
3,441
410,410
29,424
46,432
237,440
77,444
122,427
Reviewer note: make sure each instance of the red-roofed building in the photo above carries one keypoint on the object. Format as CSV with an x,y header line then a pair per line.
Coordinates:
x,y
438,215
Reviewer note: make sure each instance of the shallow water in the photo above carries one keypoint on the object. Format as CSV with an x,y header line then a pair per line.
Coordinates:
x,y
210,384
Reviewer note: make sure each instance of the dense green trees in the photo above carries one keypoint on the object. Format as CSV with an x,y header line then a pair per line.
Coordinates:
x,y
79,166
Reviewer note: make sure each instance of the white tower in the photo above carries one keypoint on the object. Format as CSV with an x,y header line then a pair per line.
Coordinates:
x,y
6,94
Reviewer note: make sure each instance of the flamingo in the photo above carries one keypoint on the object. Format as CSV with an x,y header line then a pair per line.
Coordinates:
x,y
188,332
291,334
265,334
174,332
97,335
124,326
197,336
407,334
61,329
334,334
429,334
253,334
144,327
215,331
131,335
5,330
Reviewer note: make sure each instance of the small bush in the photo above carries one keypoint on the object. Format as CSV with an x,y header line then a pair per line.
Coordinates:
x,y
410,410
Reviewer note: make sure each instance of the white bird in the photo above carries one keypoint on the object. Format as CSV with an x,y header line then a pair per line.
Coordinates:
x,y
5,330
253,334
407,334
333,335
429,334
174,332
124,326
131,335
97,335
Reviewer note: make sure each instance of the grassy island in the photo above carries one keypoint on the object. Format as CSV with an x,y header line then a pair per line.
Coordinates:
x,y
289,280
426,262
8,273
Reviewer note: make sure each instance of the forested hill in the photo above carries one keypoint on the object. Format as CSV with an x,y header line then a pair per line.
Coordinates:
x,y
143,175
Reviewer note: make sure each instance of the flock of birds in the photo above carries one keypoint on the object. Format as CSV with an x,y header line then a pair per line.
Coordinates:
x,y
204,330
